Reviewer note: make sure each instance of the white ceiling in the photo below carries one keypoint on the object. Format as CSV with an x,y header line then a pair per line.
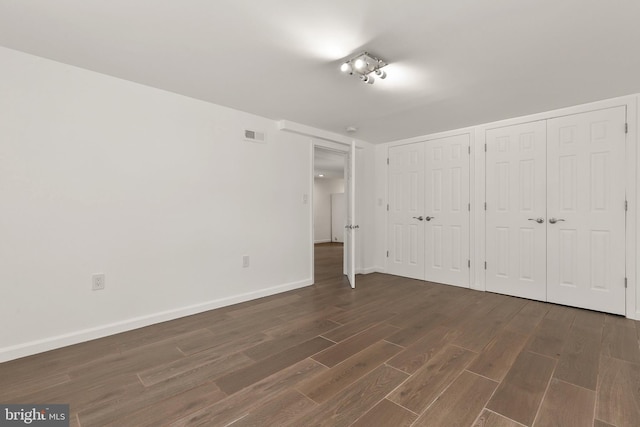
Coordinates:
x,y
454,63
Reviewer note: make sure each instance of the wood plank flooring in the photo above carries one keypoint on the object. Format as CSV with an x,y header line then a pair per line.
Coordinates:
x,y
393,352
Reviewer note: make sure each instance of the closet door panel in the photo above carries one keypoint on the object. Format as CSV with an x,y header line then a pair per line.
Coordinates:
x,y
447,210
516,210
406,206
586,211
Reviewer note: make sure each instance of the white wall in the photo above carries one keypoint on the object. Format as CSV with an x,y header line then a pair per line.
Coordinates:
x,y
379,257
156,190
322,190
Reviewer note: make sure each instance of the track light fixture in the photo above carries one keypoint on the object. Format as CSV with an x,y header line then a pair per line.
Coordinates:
x,y
364,66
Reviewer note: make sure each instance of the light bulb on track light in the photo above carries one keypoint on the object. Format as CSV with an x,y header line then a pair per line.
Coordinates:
x,y
360,64
381,73
346,68
368,79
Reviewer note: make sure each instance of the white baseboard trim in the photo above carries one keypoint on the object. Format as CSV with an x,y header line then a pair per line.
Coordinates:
x,y
322,241
52,343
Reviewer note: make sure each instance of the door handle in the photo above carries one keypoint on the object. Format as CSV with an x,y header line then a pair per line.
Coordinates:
x,y
538,220
554,220
419,218
429,218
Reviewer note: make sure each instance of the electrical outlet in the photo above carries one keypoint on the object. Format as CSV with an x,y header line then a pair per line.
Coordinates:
x,y
245,261
98,282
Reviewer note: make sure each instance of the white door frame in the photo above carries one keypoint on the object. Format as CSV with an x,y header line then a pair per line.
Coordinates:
x,y
346,150
351,227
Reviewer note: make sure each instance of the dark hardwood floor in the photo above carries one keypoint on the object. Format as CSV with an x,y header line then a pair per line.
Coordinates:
x,y
393,352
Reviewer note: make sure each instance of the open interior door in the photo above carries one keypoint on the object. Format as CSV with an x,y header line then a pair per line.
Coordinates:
x,y
351,227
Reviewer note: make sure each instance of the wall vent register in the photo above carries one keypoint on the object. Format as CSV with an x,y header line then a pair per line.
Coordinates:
x,y
253,136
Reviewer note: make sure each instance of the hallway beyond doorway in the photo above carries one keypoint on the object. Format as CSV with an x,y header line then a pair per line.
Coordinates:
x,y
328,261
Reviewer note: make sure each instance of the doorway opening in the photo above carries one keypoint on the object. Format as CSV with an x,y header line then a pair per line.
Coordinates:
x,y
329,214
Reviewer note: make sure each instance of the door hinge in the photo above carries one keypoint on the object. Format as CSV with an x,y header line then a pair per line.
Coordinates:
x,y
625,282
485,206
469,263
485,148
387,207
469,149
626,128
485,265
387,160
387,254
469,207
626,205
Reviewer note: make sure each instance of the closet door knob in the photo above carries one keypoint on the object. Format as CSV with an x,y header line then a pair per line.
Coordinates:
x,y
538,220
419,218
554,220
429,218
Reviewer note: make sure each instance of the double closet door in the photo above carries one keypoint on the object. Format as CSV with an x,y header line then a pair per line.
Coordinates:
x,y
555,212
428,218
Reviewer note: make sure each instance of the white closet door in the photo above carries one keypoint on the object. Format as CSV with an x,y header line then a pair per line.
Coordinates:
x,y
446,210
516,209
586,211
406,210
